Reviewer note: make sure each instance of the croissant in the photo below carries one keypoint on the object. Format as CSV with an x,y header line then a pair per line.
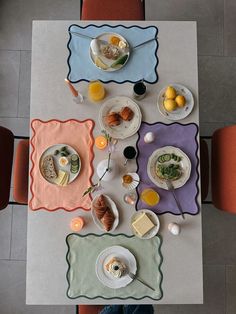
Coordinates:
x,y
100,207
113,119
126,113
108,219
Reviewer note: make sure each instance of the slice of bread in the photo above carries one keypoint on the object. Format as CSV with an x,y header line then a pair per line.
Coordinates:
x,y
48,168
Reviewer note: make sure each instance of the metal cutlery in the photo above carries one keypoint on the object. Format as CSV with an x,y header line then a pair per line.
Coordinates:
x,y
89,37
143,43
133,276
105,42
81,35
172,190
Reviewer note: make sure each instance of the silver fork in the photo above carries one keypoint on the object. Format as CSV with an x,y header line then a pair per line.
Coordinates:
x,y
172,190
105,42
144,43
133,276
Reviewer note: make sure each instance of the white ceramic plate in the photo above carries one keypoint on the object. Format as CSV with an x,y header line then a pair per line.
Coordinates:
x,y
153,217
185,164
122,254
110,203
102,38
50,151
133,184
179,113
126,128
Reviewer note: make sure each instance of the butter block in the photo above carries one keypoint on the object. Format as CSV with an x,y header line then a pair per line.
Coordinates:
x,y
143,224
62,178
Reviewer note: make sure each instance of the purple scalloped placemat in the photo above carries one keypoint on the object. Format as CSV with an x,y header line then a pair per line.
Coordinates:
x,y
183,136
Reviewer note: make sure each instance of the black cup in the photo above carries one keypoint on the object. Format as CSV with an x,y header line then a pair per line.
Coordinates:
x,y
129,153
139,90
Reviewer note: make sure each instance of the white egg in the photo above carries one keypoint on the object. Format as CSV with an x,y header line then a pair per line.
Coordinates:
x,y
174,228
149,137
95,47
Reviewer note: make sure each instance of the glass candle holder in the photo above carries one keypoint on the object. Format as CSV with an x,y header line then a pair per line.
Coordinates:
x,y
77,224
100,142
130,198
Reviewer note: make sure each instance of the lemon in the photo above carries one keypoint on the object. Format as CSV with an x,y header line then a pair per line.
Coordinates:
x,y
180,100
170,104
170,92
99,63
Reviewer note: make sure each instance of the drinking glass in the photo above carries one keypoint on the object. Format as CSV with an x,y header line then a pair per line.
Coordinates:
x,y
129,153
96,91
139,90
150,197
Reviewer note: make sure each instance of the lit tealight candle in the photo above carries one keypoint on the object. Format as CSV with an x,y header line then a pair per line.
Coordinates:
x,y
77,224
101,142
73,90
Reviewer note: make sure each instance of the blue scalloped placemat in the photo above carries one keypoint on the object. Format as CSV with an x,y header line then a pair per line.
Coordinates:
x,y
142,63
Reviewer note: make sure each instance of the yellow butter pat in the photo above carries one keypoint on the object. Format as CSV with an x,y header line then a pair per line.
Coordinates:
x,y
143,224
62,178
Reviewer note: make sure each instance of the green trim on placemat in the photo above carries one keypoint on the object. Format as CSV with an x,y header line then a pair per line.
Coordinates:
x,y
100,246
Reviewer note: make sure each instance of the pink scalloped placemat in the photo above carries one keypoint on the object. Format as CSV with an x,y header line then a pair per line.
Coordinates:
x,y
77,134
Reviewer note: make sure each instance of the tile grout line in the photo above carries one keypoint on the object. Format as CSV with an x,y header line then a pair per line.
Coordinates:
x,y
12,260
224,28
19,86
217,56
225,289
6,117
11,231
15,50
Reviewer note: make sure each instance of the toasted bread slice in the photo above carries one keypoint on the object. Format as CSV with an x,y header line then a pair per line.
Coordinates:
x,y
48,168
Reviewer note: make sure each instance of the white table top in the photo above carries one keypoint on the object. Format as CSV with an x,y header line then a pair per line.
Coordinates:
x,y
51,98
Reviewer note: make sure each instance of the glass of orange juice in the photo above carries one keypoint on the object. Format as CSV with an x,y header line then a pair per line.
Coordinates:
x,y
96,91
150,197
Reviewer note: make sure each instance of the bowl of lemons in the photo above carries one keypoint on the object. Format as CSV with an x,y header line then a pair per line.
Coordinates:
x,y
175,102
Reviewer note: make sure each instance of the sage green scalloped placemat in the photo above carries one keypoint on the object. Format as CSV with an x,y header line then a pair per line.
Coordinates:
x,y
83,251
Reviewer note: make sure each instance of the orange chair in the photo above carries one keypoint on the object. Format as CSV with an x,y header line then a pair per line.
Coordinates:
x,y
20,188
21,170
204,157
112,10
223,177
223,169
7,144
89,309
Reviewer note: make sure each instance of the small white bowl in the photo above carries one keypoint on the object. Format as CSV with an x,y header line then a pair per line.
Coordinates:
x,y
153,217
133,184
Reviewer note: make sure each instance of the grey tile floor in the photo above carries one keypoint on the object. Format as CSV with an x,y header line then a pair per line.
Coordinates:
x,y
217,81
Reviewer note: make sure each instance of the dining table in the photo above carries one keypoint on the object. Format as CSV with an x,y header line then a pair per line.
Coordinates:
x,y
54,114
